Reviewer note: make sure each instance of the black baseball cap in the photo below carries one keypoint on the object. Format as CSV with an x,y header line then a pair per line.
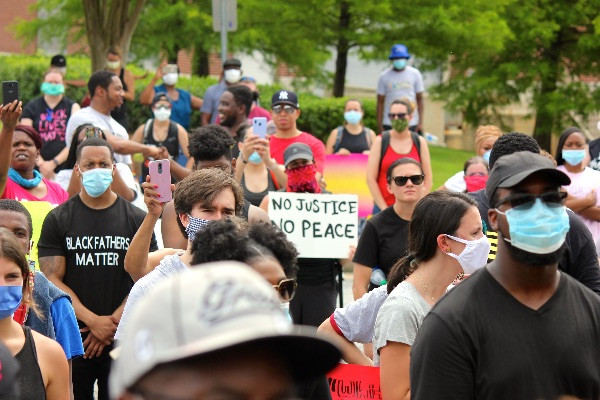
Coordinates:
x,y
512,169
297,151
285,97
232,62
58,61
161,96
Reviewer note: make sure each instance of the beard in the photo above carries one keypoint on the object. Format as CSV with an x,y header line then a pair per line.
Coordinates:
x,y
533,259
228,122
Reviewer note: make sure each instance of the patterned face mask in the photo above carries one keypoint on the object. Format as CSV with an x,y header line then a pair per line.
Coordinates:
x,y
195,226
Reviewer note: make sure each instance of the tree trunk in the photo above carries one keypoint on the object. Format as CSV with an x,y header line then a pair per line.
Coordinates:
x,y
201,66
341,61
110,23
545,118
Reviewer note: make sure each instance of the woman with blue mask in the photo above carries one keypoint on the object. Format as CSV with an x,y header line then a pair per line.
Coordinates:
x,y
352,136
485,137
571,158
44,369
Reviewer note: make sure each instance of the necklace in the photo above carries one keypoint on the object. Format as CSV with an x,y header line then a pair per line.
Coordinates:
x,y
424,286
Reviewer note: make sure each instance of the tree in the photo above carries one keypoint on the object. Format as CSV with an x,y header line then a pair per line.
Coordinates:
x,y
103,22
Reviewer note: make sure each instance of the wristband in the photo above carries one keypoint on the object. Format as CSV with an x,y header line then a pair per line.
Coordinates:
x,y
55,162
244,160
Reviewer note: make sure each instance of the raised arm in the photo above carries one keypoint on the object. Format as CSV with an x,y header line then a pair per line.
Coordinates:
x,y
9,115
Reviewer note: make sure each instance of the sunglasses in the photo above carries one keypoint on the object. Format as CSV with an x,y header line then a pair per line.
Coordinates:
x,y
286,289
288,109
397,115
402,180
525,201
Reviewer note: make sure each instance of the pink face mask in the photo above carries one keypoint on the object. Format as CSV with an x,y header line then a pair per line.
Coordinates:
x,y
475,182
302,179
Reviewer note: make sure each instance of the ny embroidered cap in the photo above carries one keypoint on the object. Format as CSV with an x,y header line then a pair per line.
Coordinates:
x,y
297,151
285,97
211,308
512,169
58,61
398,51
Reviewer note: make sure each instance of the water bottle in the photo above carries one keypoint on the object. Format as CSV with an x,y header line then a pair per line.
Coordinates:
x,y
378,277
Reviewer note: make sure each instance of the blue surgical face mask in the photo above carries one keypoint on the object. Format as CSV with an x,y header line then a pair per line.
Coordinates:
x,y
399,63
353,117
52,89
255,158
573,157
539,229
96,181
10,299
285,307
486,156
195,226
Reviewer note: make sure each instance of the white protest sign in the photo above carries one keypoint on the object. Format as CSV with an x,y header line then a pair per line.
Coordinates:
x,y
320,225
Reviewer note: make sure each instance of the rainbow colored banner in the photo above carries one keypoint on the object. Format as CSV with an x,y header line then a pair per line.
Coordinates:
x,y
348,175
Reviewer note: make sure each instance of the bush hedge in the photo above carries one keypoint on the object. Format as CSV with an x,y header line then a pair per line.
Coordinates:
x,y
319,115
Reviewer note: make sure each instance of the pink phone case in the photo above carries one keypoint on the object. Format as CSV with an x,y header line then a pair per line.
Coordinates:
x,y
259,126
160,174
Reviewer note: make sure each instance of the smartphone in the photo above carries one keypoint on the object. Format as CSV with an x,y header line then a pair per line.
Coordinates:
x,y
160,174
259,126
10,91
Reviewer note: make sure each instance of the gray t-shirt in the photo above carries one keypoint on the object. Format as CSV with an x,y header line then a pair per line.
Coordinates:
x,y
169,266
395,85
399,317
211,100
357,320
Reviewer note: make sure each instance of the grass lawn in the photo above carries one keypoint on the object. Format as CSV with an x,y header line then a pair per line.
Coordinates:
x,y
446,162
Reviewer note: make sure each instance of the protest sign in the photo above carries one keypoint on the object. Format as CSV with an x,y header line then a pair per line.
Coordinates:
x,y
350,382
320,225
348,175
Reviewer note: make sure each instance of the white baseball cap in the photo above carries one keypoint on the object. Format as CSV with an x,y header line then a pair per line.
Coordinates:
x,y
213,307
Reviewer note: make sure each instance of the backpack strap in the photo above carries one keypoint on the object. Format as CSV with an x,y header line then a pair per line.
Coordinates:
x,y
416,141
338,139
385,143
274,179
367,133
147,129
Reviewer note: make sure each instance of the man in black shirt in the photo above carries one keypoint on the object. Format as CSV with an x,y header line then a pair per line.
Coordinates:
x,y
519,328
81,250
579,258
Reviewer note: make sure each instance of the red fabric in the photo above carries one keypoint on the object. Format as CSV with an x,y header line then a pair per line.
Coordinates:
x,y
335,326
388,158
475,182
278,146
20,314
302,180
56,195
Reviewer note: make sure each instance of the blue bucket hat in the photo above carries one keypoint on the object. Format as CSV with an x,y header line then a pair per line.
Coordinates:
x,y
398,51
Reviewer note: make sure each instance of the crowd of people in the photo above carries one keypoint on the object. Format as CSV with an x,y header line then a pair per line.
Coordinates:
x,y
484,288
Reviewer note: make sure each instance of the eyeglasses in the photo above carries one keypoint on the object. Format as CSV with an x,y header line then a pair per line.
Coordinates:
x,y
164,106
397,115
525,201
288,109
402,180
286,289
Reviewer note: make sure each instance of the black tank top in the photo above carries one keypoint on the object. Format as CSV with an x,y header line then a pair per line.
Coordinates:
x,y
30,375
120,113
354,143
171,143
255,198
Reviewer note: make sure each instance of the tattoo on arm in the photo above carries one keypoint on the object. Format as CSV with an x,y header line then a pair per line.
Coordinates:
x,y
52,265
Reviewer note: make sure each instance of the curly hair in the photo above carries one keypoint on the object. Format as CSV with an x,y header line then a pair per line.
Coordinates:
x,y
209,143
511,143
242,96
202,187
271,237
220,241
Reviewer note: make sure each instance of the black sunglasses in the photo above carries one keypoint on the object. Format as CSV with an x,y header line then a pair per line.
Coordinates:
x,y
286,289
288,109
402,180
397,115
525,201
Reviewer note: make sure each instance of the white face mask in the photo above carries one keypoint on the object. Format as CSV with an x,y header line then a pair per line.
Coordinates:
x,y
162,113
113,64
475,254
233,75
170,79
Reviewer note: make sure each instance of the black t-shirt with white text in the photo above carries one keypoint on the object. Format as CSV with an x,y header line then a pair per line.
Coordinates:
x,y
383,241
480,342
51,124
94,244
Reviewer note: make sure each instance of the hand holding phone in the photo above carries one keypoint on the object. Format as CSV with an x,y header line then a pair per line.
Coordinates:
x,y
259,127
160,175
10,91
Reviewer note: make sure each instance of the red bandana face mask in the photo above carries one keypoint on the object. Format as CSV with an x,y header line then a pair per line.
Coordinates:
x,y
302,180
475,182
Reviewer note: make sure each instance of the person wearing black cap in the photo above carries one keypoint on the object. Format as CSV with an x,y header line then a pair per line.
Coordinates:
x,y
398,81
162,131
518,328
285,111
59,62
231,74
183,102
